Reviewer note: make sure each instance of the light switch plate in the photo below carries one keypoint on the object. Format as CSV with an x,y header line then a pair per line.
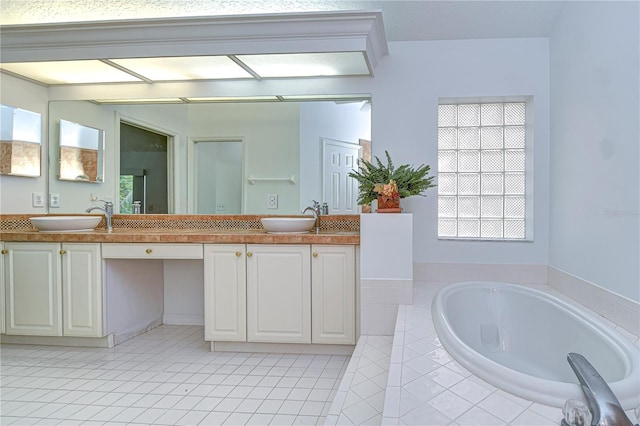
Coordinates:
x,y
37,199
54,200
272,201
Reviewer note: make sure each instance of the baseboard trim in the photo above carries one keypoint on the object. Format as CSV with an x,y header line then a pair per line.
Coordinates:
x,y
183,319
618,309
88,342
282,348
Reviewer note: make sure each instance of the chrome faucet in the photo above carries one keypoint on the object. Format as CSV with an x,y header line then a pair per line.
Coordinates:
x,y
107,210
601,401
315,209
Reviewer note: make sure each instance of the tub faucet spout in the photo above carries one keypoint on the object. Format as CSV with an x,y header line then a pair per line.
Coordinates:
x,y
108,213
601,401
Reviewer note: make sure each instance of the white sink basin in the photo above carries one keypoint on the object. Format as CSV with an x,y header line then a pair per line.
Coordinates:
x,y
288,225
65,223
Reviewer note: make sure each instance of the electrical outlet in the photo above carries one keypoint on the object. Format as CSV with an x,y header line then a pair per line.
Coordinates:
x,y
54,200
272,201
37,199
221,206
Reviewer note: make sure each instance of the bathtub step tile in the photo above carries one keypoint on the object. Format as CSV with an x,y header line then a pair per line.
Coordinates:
x,y
501,407
471,391
450,404
552,413
445,377
425,415
477,416
529,418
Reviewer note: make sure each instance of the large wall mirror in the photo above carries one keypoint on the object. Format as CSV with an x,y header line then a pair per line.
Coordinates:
x,y
213,158
20,144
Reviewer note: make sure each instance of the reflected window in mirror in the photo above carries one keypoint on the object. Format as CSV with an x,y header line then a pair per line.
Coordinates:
x,y
20,144
81,153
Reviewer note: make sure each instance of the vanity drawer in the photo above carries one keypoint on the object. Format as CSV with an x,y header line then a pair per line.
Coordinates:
x,y
151,251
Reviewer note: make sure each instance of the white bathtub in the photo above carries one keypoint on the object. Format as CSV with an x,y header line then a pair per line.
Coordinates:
x,y
518,338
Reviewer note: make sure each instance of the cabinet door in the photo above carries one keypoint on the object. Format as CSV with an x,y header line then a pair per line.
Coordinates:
x,y
81,290
333,294
225,292
278,293
32,278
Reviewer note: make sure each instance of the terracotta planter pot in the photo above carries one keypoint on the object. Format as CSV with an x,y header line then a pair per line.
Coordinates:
x,y
389,205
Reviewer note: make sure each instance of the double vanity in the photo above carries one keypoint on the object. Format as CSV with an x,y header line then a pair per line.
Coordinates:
x,y
258,290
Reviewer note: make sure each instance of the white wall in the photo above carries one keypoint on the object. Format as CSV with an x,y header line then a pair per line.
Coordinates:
x,y
405,91
595,197
15,191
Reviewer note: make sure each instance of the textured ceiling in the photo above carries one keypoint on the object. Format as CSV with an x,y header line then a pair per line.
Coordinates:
x,y
403,20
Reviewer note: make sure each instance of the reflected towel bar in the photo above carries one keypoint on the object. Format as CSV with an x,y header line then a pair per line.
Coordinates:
x,y
253,179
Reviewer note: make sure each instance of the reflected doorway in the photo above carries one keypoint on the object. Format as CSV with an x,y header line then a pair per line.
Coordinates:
x,y
143,170
216,177
339,189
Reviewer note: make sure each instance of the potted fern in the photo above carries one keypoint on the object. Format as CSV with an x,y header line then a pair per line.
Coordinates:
x,y
389,184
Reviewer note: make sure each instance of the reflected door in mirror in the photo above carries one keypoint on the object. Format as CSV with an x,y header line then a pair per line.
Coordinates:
x,y
218,176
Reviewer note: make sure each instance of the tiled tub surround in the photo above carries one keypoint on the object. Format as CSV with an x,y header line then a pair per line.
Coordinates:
x,y
426,386
334,229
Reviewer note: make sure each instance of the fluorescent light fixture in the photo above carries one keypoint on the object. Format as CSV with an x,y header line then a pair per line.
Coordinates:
x,y
307,64
69,72
140,101
184,68
337,98
235,99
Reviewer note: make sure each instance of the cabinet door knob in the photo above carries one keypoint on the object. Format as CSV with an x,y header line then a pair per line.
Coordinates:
x,y
4,251
249,254
315,254
148,251
63,252
238,254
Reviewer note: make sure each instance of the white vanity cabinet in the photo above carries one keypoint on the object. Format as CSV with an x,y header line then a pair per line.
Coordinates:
x,y
33,289
333,291
53,289
225,292
82,290
278,293
3,309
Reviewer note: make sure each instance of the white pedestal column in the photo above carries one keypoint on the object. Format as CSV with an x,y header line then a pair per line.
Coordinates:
x,y
386,270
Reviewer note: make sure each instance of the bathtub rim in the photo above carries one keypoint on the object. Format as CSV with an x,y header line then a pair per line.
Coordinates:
x,y
533,388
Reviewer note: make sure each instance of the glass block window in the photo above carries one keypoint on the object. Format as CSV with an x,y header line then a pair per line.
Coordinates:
x,y
481,170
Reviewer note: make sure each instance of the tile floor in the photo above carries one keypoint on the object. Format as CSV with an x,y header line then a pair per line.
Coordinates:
x,y
167,376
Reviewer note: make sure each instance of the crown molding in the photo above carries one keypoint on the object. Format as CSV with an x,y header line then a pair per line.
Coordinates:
x,y
311,32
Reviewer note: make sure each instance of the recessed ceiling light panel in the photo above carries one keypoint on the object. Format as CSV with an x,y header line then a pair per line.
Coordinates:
x,y
235,99
69,72
139,101
184,68
307,64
